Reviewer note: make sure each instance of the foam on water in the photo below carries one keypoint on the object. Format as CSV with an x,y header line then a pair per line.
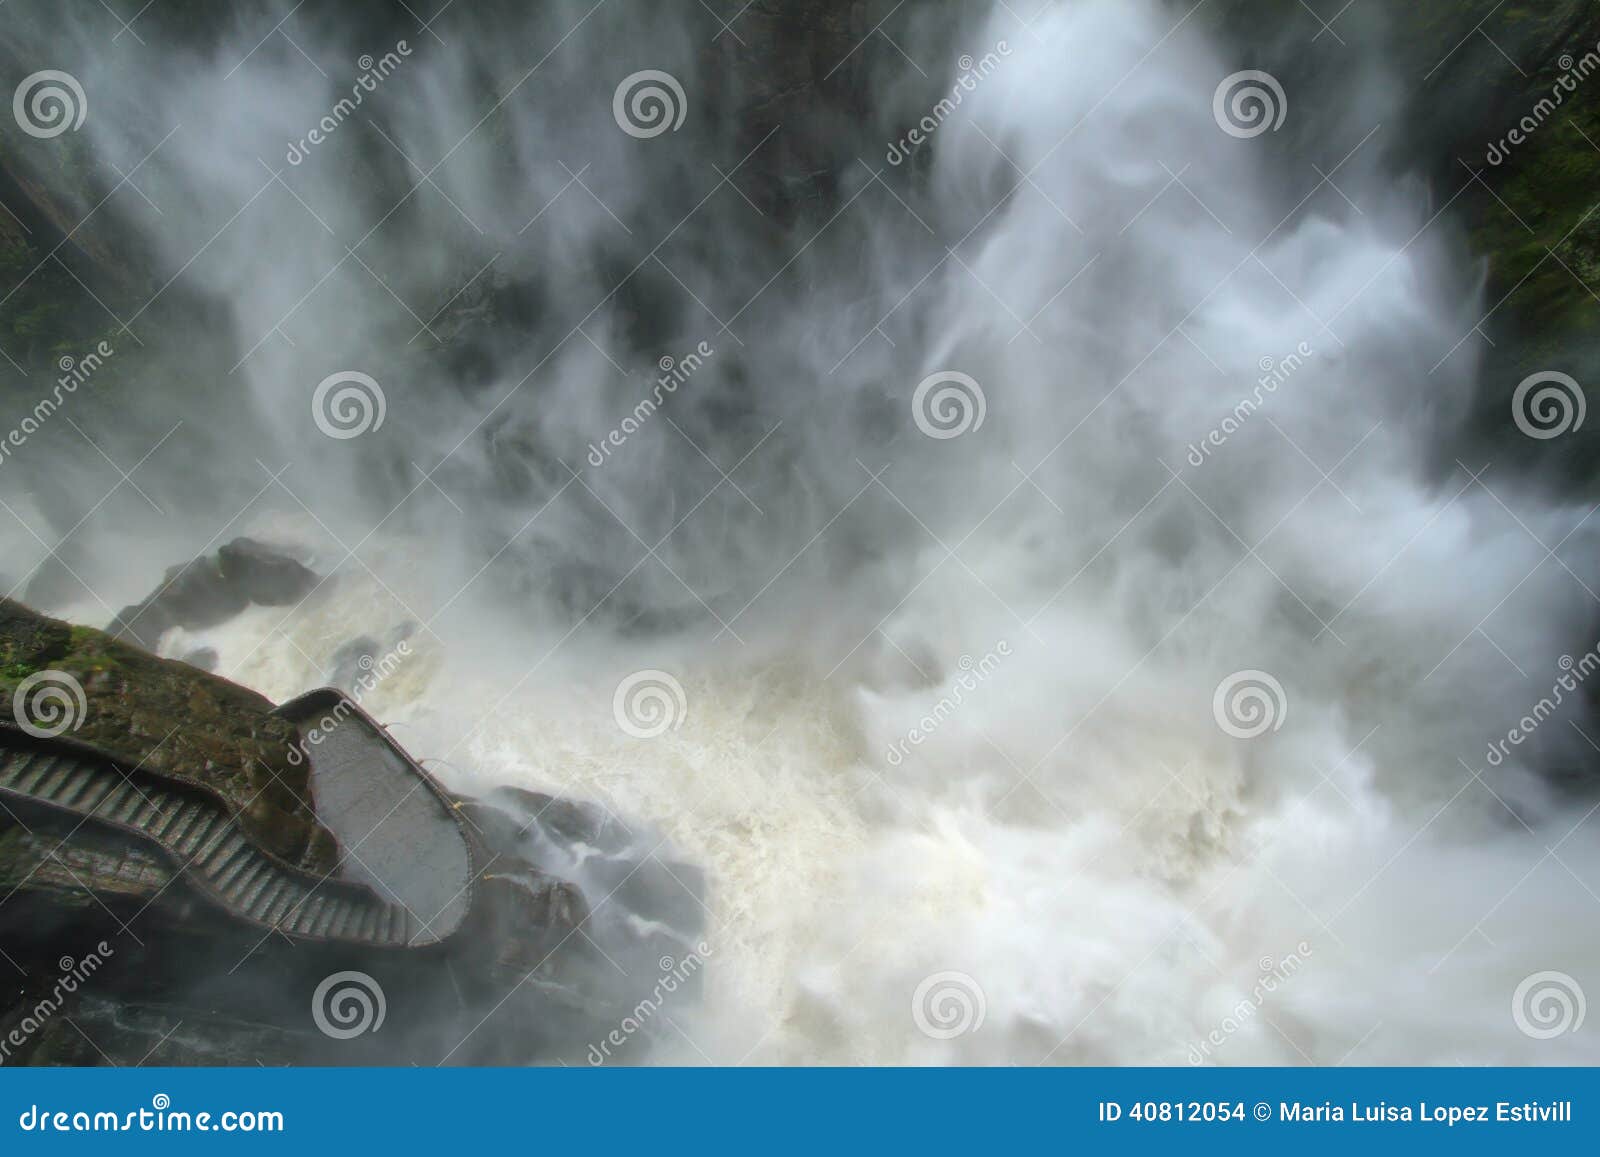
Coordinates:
x,y
1108,870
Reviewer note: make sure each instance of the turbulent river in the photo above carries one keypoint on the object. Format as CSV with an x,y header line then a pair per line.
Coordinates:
x,y
1065,709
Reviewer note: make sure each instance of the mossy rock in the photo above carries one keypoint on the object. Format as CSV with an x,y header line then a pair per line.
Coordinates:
x,y
173,721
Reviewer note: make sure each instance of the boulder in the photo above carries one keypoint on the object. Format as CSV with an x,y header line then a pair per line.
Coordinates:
x,y
212,948
167,718
213,588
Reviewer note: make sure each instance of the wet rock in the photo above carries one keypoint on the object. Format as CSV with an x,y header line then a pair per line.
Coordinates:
x,y
263,575
353,661
194,974
349,661
212,589
176,981
646,906
1499,115
102,1028
203,657
169,719
193,595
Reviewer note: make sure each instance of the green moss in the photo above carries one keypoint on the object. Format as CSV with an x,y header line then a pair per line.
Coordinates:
x,y
176,721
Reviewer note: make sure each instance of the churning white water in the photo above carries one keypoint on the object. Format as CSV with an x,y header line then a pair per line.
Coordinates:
x,y
958,747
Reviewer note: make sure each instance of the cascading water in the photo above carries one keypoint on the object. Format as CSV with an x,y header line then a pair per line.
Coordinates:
x,y
1043,714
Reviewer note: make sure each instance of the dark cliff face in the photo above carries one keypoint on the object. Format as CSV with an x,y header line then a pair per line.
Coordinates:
x,y
121,933
805,64
1500,117
167,718
1469,75
837,90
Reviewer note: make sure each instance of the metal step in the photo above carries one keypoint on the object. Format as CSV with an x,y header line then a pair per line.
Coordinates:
x,y
30,771
207,850
277,896
238,889
37,771
188,822
177,817
119,805
234,856
196,833
327,912
294,918
80,789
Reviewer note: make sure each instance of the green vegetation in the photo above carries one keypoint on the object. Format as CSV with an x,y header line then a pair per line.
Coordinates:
x,y
175,721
